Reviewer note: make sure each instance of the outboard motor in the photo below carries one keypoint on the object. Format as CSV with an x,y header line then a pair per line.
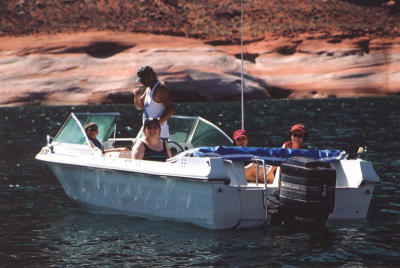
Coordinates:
x,y
306,191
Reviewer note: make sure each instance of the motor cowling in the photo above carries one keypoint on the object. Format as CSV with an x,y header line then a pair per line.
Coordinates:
x,y
306,191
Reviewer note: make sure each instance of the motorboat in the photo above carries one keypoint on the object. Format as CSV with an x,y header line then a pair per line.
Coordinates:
x,y
197,190
204,183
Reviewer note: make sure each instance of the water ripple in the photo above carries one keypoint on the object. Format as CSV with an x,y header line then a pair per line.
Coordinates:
x,y
41,227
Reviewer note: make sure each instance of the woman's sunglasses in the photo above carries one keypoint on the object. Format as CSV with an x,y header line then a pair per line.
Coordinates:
x,y
298,135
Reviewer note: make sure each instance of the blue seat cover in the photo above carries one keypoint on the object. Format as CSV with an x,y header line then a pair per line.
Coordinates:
x,y
272,156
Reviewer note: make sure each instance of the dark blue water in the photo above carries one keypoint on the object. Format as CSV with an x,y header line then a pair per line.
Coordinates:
x,y
41,227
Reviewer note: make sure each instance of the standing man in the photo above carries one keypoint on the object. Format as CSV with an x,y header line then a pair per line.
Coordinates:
x,y
153,98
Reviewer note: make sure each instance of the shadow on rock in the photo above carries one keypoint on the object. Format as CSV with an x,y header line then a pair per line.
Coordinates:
x,y
99,49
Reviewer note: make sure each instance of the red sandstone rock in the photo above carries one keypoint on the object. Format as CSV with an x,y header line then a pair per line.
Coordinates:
x,y
100,67
79,52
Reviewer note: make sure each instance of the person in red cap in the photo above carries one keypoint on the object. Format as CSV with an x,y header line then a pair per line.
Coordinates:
x,y
240,137
297,135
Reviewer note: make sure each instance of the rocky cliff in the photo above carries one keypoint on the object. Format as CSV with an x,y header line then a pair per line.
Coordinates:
x,y
79,52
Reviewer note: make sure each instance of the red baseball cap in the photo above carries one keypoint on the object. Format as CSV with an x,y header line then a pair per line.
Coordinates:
x,y
239,133
299,127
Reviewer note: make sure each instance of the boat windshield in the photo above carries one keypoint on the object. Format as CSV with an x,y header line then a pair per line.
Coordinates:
x,y
195,130
73,129
207,133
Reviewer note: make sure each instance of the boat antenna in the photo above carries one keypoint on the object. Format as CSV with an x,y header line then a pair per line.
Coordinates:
x,y
241,60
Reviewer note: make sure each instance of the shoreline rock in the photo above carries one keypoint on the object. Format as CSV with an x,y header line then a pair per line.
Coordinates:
x,y
96,67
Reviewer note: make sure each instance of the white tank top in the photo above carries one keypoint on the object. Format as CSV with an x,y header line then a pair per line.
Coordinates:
x,y
155,110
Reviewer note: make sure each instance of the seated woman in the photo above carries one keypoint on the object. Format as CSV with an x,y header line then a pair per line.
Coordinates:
x,y
151,147
297,135
92,131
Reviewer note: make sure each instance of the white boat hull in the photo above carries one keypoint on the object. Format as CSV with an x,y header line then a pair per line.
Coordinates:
x,y
210,204
351,203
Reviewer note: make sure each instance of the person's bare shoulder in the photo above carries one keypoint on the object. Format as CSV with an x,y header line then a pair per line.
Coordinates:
x,y
162,94
138,150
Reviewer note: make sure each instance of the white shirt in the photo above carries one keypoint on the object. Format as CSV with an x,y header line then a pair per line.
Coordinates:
x,y
155,110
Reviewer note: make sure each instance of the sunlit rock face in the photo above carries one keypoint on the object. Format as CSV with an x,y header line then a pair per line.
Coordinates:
x,y
82,52
84,68
349,67
100,67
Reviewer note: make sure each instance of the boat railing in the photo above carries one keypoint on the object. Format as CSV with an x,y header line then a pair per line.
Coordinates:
x,y
265,172
122,139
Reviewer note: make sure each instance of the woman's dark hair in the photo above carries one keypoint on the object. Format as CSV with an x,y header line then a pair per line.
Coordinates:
x,y
150,120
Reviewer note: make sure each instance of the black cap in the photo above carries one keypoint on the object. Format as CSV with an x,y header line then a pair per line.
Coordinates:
x,y
143,71
91,126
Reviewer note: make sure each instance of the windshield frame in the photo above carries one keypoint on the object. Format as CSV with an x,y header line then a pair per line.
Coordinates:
x,y
85,117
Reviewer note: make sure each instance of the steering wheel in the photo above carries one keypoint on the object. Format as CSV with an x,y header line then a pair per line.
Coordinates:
x,y
177,148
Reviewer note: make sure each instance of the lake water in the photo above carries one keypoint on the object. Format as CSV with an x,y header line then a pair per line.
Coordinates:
x,y
41,227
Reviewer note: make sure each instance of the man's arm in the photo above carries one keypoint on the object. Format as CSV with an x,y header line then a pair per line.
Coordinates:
x,y
139,96
162,96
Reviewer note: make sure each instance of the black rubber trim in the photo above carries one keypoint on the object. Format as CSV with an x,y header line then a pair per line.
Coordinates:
x,y
313,181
